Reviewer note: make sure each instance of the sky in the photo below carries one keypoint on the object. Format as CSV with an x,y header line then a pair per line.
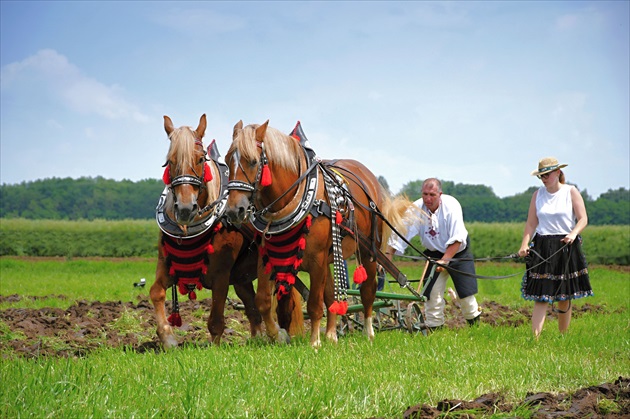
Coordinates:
x,y
473,92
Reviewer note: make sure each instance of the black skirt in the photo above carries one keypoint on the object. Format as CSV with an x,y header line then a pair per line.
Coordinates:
x,y
555,272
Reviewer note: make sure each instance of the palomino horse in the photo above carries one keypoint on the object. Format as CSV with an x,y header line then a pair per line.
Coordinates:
x,y
197,249
308,213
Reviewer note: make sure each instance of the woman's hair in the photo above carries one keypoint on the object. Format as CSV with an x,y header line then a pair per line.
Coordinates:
x,y
561,178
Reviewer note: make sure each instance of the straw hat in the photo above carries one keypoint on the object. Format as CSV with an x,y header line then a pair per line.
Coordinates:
x,y
546,165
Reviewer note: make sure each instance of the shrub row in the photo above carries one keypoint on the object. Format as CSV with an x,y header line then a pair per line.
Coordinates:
x,y
129,238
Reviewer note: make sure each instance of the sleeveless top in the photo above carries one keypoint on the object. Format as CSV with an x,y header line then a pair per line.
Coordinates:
x,y
555,211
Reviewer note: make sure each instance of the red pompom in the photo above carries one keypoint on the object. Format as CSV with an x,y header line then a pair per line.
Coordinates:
x,y
302,243
359,275
207,175
171,271
338,218
265,178
175,320
166,177
192,295
339,307
309,221
210,249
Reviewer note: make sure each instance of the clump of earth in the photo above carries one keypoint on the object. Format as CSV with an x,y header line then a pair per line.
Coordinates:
x,y
87,325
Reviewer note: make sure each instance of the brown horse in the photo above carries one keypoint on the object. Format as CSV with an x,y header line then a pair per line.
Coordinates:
x,y
197,248
329,209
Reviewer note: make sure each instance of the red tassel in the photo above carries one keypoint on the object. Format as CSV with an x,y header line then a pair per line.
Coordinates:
x,y
207,175
309,220
265,178
297,264
175,320
218,227
166,177
338,218
192,295
210,249
359,275
339,307
171,271
302,243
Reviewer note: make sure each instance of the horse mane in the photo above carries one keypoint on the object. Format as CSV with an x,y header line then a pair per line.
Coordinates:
x,y
182,148
281,149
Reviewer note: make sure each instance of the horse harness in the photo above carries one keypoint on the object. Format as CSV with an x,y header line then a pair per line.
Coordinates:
x,y
338,207
187,253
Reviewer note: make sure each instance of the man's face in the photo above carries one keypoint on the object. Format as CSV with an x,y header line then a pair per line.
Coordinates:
x,y
431,196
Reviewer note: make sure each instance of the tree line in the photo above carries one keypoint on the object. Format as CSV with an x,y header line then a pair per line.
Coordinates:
x,y
89,198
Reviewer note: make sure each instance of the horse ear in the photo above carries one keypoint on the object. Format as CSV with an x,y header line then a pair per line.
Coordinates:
x,y
261,131
168,125
237,127
201,129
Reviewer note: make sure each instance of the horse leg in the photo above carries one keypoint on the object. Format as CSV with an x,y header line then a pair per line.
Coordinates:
x,y
368,295
329,299
216,321
289,311
248,296
315,305
158,297
263,302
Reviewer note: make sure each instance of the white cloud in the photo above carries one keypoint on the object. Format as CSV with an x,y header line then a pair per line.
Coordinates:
x,y
54,74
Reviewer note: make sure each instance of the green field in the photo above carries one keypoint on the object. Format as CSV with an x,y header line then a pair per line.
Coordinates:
x,y
352,379
139,238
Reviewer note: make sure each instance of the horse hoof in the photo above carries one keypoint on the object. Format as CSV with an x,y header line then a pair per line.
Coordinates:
x,y
170,343
283,337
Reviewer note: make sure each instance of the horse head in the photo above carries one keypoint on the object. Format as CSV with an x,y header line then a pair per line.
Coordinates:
x,y
187,172
246,159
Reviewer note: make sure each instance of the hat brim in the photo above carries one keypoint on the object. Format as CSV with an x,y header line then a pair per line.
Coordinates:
x,y
548,169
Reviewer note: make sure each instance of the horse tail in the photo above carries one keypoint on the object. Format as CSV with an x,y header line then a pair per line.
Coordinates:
x,y
289,312
396,211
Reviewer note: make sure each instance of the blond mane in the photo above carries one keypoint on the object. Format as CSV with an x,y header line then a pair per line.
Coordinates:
x,y
182,150
281,149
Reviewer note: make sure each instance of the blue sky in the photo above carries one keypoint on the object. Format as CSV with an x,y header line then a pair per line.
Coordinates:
x,y
471,92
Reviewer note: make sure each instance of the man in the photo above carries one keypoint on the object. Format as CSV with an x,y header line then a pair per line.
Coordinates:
x,y
440,225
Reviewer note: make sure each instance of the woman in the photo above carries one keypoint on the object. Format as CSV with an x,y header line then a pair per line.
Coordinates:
x,y
556,267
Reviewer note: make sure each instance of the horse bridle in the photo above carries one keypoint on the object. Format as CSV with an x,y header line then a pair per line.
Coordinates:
x,y
249,186
197,180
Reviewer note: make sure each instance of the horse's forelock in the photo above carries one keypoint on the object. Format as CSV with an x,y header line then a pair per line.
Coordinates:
x,y
181,151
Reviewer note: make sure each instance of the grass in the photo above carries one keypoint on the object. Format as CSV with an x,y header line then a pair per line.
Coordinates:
x,y
350,379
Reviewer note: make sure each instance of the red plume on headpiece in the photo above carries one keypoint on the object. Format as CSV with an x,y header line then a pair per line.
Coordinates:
x,y
265,178
166,177
207,173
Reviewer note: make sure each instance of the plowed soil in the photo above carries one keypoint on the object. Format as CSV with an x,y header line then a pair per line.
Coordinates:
x,y
87,325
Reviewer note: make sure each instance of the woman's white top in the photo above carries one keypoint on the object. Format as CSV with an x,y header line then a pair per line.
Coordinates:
x,y
555,211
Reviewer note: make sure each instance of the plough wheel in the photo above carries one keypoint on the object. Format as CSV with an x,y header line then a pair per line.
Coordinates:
x,y
414,319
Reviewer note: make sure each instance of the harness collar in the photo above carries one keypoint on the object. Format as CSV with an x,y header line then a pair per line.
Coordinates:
x,y
214,211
